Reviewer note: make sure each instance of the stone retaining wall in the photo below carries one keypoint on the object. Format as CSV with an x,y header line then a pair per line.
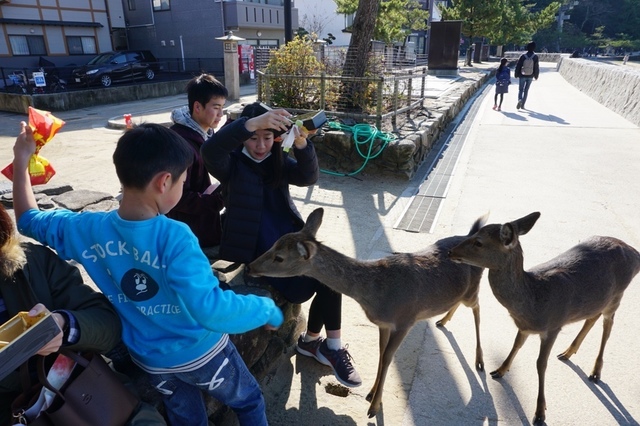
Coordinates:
x,y
616,87
417,133
65,101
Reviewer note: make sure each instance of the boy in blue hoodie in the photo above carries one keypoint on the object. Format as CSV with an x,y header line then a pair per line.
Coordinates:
x,y
174,315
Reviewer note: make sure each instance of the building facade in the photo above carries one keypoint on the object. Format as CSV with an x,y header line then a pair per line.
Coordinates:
x,y
70,32
62,31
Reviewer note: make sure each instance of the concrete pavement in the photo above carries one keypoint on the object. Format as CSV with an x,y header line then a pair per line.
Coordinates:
x,y
565,156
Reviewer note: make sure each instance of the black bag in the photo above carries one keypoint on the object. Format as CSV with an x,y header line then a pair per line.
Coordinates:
x,y
92,396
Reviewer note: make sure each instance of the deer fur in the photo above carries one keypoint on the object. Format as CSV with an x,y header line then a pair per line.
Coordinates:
x,y
583,283
395,292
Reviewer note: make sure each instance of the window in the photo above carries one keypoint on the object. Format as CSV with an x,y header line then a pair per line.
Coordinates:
x,y
348,20
131,4
161,5
81,45
27,45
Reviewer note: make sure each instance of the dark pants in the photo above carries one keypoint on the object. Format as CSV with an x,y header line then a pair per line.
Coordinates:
x,y
326,307
523,89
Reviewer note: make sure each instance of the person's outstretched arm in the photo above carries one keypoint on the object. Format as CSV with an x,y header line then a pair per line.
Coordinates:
x,y
24,148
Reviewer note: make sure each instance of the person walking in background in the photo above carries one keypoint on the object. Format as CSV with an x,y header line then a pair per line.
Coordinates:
x,y
175,317
201,202
256,175
527,69
503,80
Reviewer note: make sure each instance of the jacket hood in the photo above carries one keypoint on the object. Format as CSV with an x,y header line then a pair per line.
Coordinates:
x,y
12,257
181,116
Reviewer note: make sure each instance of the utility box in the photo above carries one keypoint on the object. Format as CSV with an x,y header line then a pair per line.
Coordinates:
x,y
444,47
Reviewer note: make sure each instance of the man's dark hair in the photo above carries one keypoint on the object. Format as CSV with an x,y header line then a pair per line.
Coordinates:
x,y
149,149
531,46
204,87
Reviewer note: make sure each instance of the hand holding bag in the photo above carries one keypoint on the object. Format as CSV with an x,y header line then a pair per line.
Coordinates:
x,y
92,396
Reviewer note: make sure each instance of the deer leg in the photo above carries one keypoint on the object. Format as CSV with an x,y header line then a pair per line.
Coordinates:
x,y
383,342
476,318
396,337
445,319
575,345
517,344
546,343
607,325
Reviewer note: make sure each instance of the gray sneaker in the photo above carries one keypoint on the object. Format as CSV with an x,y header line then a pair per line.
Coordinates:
x,y
311,349
340,361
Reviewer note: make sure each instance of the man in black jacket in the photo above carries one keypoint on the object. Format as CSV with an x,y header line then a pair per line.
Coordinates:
x,y
527,69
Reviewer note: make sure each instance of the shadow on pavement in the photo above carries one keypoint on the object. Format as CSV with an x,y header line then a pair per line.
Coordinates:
x,y
605,395
546,117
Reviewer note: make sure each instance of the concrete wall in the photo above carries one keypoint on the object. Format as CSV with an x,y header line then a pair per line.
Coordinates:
x,y
84,98
616,87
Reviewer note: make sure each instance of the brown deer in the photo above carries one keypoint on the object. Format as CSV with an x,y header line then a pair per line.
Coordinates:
x,y
583,283
395,292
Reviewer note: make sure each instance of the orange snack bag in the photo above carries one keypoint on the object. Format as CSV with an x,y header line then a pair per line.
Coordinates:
x,y
44,125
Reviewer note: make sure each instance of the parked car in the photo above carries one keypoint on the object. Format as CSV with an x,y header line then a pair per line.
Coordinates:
x,y
112,67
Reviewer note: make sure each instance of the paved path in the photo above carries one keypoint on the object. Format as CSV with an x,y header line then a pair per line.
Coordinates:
x,y
567,157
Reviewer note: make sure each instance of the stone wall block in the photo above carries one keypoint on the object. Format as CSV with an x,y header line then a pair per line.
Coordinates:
x,y
616,87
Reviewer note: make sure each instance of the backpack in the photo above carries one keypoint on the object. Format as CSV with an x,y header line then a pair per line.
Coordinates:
x,y
527,65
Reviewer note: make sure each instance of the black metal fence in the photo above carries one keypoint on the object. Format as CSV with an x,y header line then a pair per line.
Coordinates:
x,y
374,99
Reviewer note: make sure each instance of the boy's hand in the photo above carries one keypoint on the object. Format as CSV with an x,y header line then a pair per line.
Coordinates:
x,y
276,119
276,320
24,148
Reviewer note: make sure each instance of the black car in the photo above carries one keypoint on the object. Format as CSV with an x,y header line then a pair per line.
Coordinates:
x,y
111,67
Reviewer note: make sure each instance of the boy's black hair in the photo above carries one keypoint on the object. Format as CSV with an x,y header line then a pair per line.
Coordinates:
x,y
149,149
531,46
204,87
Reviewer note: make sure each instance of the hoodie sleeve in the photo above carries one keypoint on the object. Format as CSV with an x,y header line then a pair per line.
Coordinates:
x,y
517,73
210,306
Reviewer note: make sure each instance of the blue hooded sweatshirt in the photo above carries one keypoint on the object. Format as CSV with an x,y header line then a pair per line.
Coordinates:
x,y
174,315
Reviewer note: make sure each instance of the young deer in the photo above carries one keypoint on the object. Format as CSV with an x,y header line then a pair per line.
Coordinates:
x,y
394,292
583,283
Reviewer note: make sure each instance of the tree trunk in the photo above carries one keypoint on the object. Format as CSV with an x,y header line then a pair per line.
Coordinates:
x,y
358,53
364,24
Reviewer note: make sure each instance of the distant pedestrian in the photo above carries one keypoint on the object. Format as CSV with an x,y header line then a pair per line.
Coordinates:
x,y
625,59
503,80
527,69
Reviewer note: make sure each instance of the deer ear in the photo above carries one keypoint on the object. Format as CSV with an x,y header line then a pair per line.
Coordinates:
x,y
508,235
314,221
524,224
306,249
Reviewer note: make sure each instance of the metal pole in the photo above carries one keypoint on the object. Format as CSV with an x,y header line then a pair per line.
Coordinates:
x,y
288,31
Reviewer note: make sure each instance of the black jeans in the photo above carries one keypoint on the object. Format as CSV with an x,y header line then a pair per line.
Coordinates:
x,y
326,307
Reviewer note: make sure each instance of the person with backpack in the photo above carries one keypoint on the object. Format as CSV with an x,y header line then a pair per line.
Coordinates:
x,y
527,69
503,80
